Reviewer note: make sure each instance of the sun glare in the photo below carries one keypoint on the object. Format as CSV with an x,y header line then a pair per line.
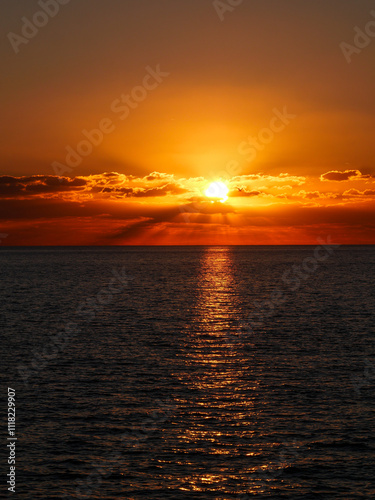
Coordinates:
x,y
217,190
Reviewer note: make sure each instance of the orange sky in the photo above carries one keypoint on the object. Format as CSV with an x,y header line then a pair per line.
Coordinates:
x,y
115,209
173,98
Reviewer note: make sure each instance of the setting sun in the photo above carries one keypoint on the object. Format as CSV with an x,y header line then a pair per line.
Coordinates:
x,y
217,190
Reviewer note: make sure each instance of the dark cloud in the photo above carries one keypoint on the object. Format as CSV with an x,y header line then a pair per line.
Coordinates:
x,y
157,176
58,181
110,183
160,191
6,179
311,195
355,192
167,189
336,175
11,189
38,184
107,183
244,192
116,190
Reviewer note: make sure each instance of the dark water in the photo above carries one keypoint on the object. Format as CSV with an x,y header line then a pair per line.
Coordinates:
x,y
211,373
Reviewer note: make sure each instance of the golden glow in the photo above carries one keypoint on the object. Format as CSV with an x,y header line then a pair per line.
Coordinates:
x,y
217,190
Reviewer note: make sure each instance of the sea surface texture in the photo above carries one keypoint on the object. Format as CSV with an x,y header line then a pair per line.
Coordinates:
x,y
157,373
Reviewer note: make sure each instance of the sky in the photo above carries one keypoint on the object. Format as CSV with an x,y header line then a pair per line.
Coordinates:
x,y
119,114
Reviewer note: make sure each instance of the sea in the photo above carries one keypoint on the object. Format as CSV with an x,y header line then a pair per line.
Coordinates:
x,y
191,372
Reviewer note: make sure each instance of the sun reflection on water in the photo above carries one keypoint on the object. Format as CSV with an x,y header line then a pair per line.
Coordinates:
x,y
218,377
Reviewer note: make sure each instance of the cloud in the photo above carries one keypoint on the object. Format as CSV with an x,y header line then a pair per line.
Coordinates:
x,y
157,176
112,208
310,195
241,191
355,192
336,175
167,189
106,184
282,177
116,186
37,184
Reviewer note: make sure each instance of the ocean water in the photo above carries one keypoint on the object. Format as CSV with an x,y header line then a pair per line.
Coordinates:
x,y
190,372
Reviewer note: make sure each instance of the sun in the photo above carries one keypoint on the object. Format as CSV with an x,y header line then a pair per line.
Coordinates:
x,y
217,190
